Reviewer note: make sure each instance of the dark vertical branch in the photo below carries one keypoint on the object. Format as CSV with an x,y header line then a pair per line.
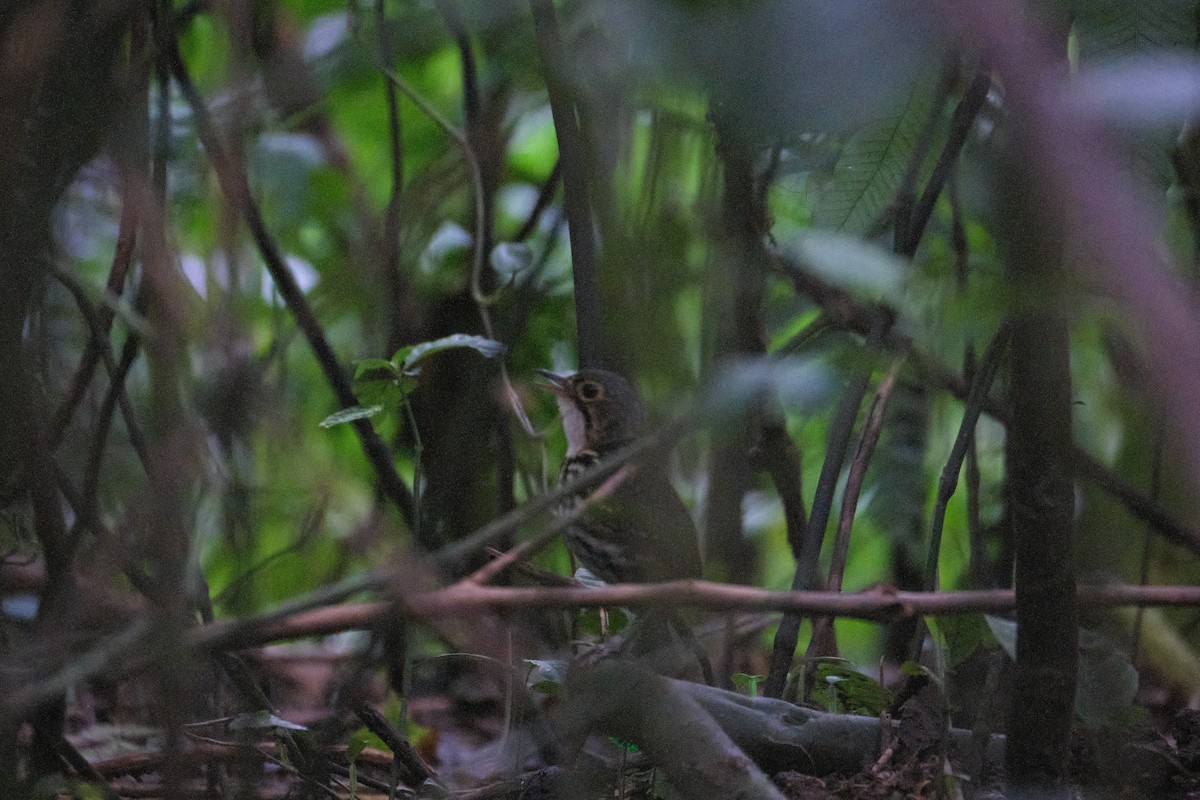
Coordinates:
x,y
1055,163
737,325
960,246
390,248
1040,491
55,109
163,519
1041,495
576,198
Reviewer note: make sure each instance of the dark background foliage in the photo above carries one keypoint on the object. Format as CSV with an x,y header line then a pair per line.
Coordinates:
x,y
849,253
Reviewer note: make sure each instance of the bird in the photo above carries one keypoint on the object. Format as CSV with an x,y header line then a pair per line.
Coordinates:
x,y
641,532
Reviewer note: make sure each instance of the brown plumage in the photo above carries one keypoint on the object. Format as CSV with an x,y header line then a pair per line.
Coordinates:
x,y
642,532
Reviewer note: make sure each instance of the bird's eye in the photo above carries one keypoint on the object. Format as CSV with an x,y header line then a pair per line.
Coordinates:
x,y
589,390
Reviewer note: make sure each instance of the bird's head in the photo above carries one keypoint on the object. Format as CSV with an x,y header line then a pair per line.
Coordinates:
x,y
601,411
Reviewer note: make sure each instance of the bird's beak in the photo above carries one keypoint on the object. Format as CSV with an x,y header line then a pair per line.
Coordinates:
x,y
554,382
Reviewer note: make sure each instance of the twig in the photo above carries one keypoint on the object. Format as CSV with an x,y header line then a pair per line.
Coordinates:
x,y
122,258
489,571
960,127
402,749
390,247
98,340
545,195
130,649
840,431
989,364
1155,489
906,194
868,437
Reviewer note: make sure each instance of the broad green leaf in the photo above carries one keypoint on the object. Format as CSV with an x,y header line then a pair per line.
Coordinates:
x,y
378,382
349,415
551,669
797,383
1005,631
488,348
871,167
748,682
1108,29
358,742
362,739
400,355
385,393
961,635
262,719
867,270
375,368
1107,681
1111,27
844,689
509,258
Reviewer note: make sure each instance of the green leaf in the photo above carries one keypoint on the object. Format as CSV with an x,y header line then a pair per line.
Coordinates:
x,y
509,258
1005,631
375,369
1110,28
488,348
377,382
386,394
748,682
624,745
843,689
1107,682
262,719
962,635
361,740
551,670
401,355
871,167
350,415
867,270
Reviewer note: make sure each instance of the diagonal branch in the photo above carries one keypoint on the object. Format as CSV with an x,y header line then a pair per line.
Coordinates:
x,y
235,186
